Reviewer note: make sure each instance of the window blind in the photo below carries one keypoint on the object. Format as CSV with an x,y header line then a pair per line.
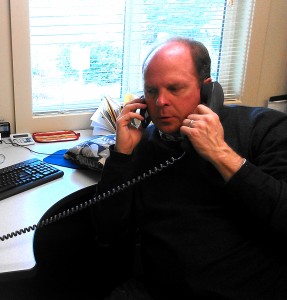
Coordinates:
x,y
84,49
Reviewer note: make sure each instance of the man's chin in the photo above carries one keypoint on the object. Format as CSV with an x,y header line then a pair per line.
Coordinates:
x,y
168,127
170,130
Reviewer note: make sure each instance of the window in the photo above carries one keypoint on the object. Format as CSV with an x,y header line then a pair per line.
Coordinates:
x,y
80,50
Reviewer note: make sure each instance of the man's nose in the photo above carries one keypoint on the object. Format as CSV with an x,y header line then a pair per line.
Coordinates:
x,y
161,100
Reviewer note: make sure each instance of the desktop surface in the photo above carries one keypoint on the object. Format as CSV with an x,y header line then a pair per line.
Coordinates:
x,y
28,207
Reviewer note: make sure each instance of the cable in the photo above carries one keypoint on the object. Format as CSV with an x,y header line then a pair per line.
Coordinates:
x,y
90,202
37,151
16,145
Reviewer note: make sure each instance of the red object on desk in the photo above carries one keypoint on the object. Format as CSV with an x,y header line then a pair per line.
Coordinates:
x,y
55,136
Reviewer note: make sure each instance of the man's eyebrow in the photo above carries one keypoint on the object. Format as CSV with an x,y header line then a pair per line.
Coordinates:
x,y
168,85
150,86
177,84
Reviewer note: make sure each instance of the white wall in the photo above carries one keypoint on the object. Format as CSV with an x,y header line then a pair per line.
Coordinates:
x,y
6,78
267,62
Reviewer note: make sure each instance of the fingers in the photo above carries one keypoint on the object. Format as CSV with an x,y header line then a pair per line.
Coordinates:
x,y
201,122
128,133
129,119
133,106
189,122
201,114
203,109
131,110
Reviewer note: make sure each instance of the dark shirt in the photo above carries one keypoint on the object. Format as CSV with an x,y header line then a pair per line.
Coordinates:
x,y
200,236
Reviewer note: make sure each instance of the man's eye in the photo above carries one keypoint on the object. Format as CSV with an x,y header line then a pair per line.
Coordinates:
x,y
151,92
175,88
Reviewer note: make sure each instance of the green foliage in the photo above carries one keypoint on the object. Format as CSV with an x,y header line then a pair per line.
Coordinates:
x,y
105,63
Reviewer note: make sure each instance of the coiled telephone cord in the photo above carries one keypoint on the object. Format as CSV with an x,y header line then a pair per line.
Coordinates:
x,y
90,202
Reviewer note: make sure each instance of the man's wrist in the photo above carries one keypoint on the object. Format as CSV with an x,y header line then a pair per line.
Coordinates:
x,y
228,163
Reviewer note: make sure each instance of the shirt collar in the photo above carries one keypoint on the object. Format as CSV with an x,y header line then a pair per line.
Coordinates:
x,y
175,137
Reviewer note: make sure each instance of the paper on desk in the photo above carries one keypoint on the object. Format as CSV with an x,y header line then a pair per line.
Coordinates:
x,y
104,119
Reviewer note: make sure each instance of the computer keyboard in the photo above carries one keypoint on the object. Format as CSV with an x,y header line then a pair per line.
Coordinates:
x,y
26,175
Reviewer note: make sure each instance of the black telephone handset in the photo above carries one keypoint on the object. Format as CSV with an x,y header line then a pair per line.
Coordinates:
x,y
211,94
147,119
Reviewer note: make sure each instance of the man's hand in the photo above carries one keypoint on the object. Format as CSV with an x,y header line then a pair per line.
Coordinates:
x,y
127,135
204,130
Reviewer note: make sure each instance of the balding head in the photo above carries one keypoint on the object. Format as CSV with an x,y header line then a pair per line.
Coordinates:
x,y
198,52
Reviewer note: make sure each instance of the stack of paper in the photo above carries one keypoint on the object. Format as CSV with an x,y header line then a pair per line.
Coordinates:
x,y
104,119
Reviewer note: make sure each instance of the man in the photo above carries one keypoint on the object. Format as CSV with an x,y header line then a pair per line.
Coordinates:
x,y
213,222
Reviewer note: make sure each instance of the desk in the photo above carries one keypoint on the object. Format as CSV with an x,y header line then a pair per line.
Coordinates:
x,y
27,208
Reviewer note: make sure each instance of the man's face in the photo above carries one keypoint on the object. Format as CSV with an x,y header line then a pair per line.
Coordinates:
x,y
171,87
